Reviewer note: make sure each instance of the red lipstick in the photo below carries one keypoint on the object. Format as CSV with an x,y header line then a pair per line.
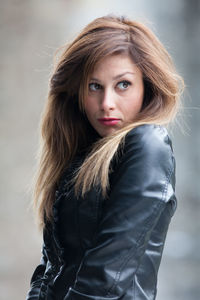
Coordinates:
x,y
108,121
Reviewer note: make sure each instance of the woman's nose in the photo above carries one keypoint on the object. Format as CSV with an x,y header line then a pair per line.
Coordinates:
x,y
108,100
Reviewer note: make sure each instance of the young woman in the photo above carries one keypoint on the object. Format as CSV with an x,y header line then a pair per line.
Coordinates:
x,y
106,181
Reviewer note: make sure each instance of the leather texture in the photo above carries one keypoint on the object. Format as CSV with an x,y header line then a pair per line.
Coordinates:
x,y
111,248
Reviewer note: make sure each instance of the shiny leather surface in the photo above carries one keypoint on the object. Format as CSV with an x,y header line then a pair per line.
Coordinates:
x,y
111,248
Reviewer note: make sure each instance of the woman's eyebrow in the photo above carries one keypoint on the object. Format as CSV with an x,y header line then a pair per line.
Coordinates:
x,y
114,78
94,79
121,75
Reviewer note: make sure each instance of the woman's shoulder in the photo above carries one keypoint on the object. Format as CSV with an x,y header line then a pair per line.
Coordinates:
x,y
150,147
146,159
149,137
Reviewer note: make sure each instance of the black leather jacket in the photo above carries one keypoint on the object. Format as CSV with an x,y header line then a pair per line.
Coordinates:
x,y
111,248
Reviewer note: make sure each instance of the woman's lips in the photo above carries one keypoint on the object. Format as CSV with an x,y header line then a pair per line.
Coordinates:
x,y
109,121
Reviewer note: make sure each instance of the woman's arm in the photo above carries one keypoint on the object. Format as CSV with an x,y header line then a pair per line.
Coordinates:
x,y
34,291
142,187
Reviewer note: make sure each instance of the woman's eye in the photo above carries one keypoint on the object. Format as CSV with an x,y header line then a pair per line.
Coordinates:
x,y
123,85
94,86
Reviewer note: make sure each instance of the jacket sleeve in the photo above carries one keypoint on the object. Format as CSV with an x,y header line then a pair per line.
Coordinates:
x,y
142,186
34,291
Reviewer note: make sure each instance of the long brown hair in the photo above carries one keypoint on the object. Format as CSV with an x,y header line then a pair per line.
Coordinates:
x,y
65,128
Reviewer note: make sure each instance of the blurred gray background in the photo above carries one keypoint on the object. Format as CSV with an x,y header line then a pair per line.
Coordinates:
x,y
30,32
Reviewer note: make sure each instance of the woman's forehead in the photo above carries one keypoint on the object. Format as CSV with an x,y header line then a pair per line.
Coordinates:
x,y
115,65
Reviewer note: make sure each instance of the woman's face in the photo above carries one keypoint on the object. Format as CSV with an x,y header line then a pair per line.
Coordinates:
x,y
115,94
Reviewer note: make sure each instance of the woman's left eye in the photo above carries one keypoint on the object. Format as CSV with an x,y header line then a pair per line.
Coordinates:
x,y
123,85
